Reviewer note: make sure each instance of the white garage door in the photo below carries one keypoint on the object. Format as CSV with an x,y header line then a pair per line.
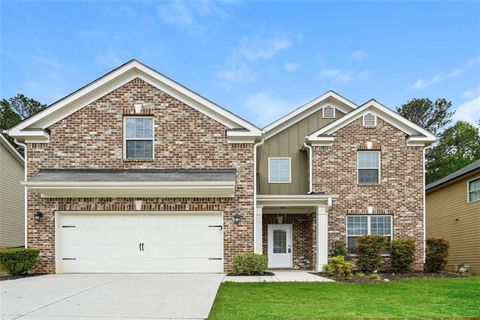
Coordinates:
x,y
139,243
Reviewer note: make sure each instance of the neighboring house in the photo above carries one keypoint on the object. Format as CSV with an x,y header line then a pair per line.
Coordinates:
x,y
12,196
453,213
136,173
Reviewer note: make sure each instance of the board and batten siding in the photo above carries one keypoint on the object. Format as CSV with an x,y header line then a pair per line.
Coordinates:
x,y
450,216
288,143
12,209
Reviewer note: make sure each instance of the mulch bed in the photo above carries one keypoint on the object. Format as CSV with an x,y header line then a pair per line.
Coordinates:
x,y
12,277
390,276
268,273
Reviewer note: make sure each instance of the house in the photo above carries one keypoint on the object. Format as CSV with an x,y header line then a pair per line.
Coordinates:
x,y
136,173
453,213
12,196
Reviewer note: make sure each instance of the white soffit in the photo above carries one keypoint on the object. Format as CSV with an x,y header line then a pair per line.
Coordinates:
x,y
339,102
417,133
117,78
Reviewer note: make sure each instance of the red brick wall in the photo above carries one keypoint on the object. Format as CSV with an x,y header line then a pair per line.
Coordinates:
x,y
399,194
184,138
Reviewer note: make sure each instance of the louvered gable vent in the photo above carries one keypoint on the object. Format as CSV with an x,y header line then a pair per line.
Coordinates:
x,y
328,112
369,120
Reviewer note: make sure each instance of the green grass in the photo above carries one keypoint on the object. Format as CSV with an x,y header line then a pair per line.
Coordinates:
x,y
416,298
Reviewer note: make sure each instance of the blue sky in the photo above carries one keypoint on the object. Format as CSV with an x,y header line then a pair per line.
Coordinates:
x,y
258,59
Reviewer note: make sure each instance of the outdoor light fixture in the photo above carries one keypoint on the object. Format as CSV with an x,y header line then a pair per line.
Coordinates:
x,y
38,216
236,218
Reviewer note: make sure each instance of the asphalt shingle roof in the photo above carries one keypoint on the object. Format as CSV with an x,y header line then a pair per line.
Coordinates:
x,y
467,169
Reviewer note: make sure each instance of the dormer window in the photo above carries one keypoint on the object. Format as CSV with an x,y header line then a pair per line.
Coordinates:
x,y
328,112
369,120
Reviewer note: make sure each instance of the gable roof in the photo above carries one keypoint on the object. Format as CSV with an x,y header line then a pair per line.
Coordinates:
x,y
417,135
307,109
457,174
33,128
12,150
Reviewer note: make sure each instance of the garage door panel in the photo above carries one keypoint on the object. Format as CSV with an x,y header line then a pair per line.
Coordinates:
x,y
110,243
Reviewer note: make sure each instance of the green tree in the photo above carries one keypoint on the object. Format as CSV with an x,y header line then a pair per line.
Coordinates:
x,y
458,146
8,117
24,106
432,116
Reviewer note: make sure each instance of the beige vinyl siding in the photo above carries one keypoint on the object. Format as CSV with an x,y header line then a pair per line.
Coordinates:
x,y
11,200
452,217
288,143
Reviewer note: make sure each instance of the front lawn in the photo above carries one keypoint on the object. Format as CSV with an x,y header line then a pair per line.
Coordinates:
x,y
414,298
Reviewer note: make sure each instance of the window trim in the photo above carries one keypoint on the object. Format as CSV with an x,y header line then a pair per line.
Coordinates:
x,y
468,190
125,138
334,112
368,228
379,169
289,169
374,117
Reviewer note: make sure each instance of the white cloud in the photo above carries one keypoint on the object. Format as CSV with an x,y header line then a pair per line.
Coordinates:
x,y
261,47
291,66
471,93
425,83
191,15
234,74
343,76
473,61
265,107
110,58
358,55
468,111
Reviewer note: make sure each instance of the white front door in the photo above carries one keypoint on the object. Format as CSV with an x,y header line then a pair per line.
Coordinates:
x,y
280,246
139,243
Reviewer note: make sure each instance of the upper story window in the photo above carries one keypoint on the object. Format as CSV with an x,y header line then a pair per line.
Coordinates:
x,y
358,226
369,120
138,137
368,164
474,190
328,112
279,170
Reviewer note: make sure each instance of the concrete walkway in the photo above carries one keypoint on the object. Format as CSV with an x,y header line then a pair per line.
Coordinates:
x,y
280,276
109,296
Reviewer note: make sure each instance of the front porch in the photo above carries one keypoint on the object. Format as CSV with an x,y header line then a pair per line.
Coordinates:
x,y
292,230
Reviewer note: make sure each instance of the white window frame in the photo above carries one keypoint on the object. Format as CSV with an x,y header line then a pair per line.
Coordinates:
x,y
379,169
374,117
334,112
125,138
468,190
289,169
368,228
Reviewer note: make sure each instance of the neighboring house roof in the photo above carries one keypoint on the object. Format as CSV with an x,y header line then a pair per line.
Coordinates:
x,y
455,175
12,150
417,135
34,128
307,109
132,175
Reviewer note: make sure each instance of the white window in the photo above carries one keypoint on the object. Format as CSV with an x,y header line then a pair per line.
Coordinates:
x,y
279,170
368,164
358,226
138,137
474,190
369,120
328,112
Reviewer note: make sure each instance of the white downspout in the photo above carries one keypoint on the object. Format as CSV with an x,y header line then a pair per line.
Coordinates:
x,y
255,146
310,174
25,200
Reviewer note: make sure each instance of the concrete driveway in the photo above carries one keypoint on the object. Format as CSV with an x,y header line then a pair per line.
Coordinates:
x,y
109,296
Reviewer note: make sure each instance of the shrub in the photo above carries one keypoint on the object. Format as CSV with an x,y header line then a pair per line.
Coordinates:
x,y
369,249
18,261
360,275
374,276
250,263
339,267
436,254
339,248
402,254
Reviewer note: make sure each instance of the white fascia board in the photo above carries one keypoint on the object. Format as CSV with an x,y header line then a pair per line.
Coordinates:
x,y
306,110
294,200
378,110
116,79
12,150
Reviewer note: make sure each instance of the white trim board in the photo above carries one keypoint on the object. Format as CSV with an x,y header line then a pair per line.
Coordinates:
x,y
115,79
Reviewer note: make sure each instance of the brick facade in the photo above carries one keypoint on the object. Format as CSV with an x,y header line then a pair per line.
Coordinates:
x,y
400,193
184,138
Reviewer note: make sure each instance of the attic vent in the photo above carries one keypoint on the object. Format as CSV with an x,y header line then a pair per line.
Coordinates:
x,y
369,120
328,112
